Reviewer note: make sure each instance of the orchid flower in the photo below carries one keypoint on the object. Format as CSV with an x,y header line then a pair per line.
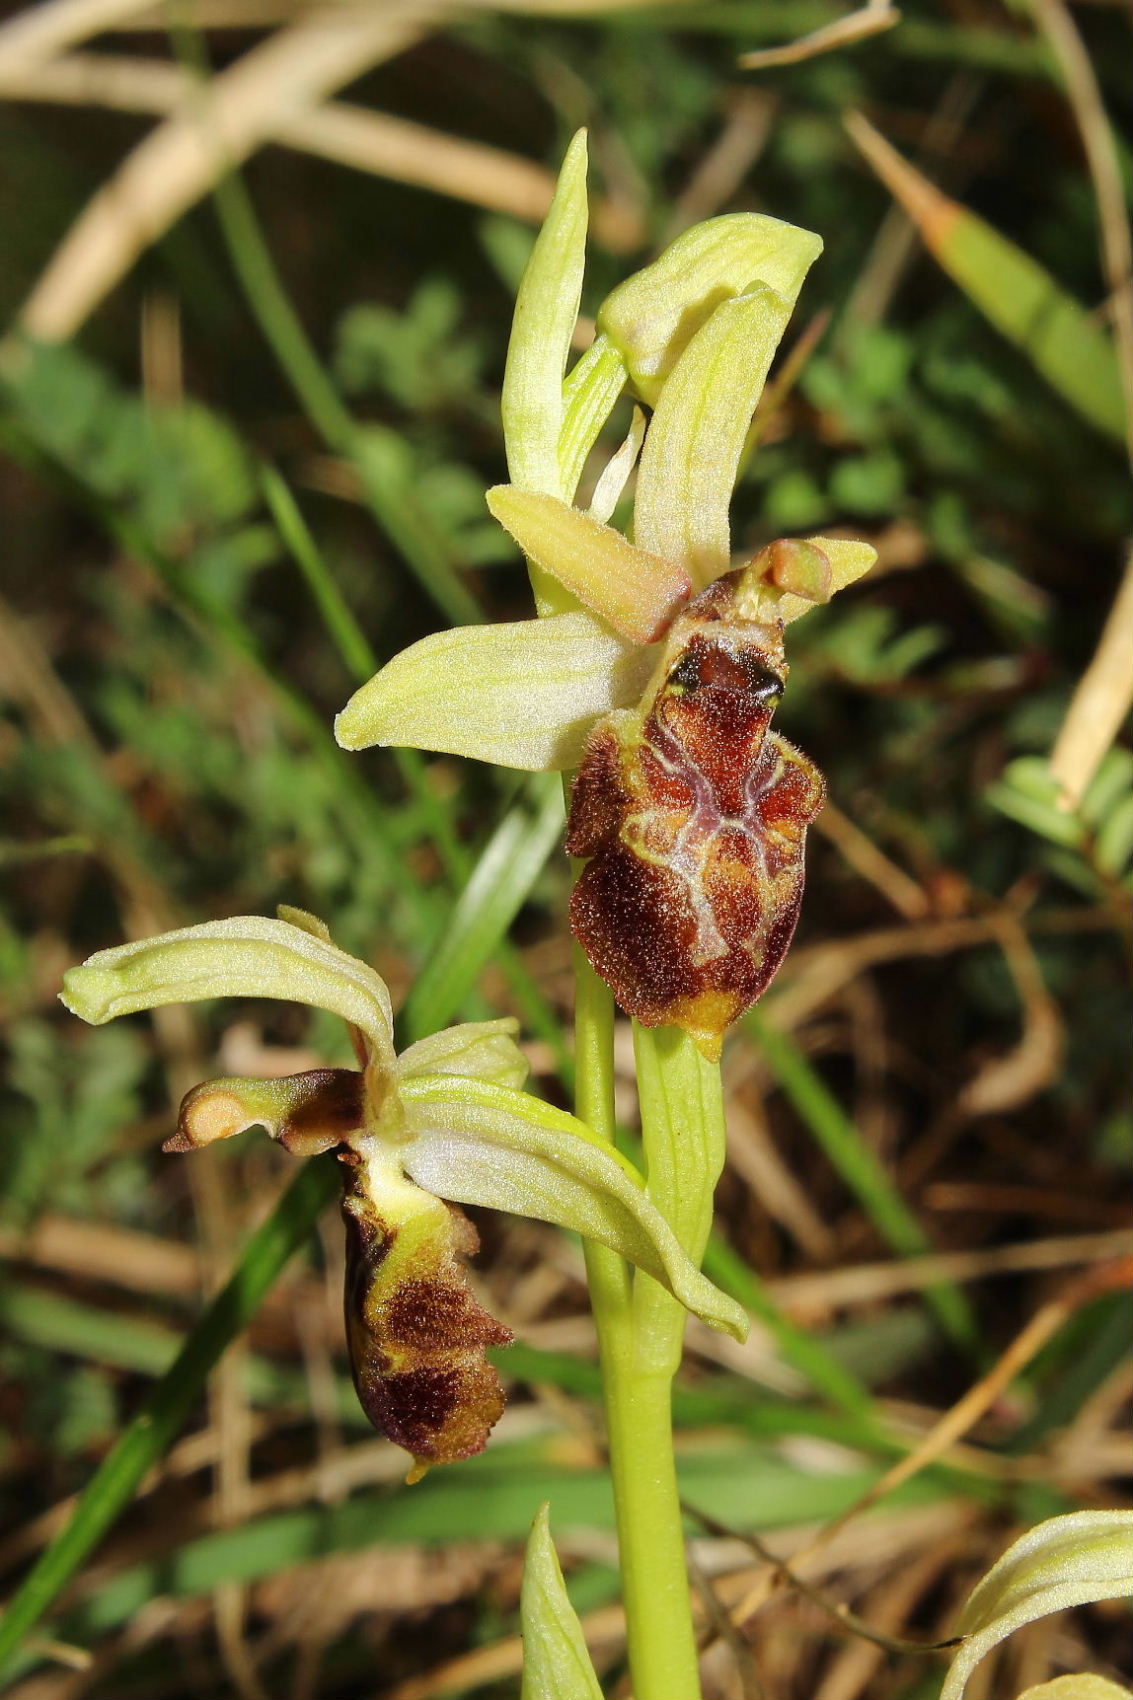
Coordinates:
x,y
444,1120
692,336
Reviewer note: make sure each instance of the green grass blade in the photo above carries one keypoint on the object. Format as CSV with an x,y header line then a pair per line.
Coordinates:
x,y
161,1417
492,1497
1012,290
510,864
859,1169
803,1351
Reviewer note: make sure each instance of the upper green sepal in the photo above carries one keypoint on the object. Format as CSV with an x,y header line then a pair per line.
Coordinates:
x,y
546,310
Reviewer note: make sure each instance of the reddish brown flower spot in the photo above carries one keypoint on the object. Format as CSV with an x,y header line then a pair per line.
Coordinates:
x,y
693,814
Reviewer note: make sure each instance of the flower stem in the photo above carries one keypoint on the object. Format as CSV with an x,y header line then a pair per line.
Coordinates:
x,y
639,1332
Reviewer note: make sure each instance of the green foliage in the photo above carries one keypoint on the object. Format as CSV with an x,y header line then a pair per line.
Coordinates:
x,y
171,744
60,1138
418,358
1094,843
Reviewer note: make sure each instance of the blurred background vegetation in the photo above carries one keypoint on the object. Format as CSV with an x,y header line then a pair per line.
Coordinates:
x,y
247,421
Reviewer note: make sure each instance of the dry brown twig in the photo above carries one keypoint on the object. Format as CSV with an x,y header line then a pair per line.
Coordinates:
x,y
347,134
1115,1274
1100,702
180,161
871,19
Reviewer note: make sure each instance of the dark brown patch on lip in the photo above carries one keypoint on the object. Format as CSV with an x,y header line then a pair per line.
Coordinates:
x,y
416,1334
411,1405
436,1314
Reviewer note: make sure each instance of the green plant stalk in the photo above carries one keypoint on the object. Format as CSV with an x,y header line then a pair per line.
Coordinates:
x,y
640,1329
161,1417
662,1646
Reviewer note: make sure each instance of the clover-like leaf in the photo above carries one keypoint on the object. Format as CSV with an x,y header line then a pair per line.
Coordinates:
x,y
250,956
484,1144
1066,1561
525,694
556,1661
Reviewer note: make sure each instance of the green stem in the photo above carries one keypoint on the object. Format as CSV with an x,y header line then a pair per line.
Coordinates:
x,y
637,1387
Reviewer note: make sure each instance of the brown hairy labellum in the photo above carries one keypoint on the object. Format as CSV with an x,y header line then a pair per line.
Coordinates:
x,y
693,815
417,1336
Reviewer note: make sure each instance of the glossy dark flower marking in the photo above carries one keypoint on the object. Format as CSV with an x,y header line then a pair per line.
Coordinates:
x,y
693,814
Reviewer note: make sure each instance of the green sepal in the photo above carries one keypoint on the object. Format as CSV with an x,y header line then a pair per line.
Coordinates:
x,y
249,956
653,316
693,446
556,1661
525,694
1066,1561
546,311
481,1144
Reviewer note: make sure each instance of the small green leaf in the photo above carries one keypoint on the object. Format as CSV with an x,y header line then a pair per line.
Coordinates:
x,y
522,695
249,956
1066,1561
556,1662
635,592
653,316
480,1144
693,446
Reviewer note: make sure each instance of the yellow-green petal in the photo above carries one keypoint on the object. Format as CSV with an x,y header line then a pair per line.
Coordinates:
x,y
693,446
475,1050
635,592
653,316
307,1113
849,561
247,957
481,1144
522,695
